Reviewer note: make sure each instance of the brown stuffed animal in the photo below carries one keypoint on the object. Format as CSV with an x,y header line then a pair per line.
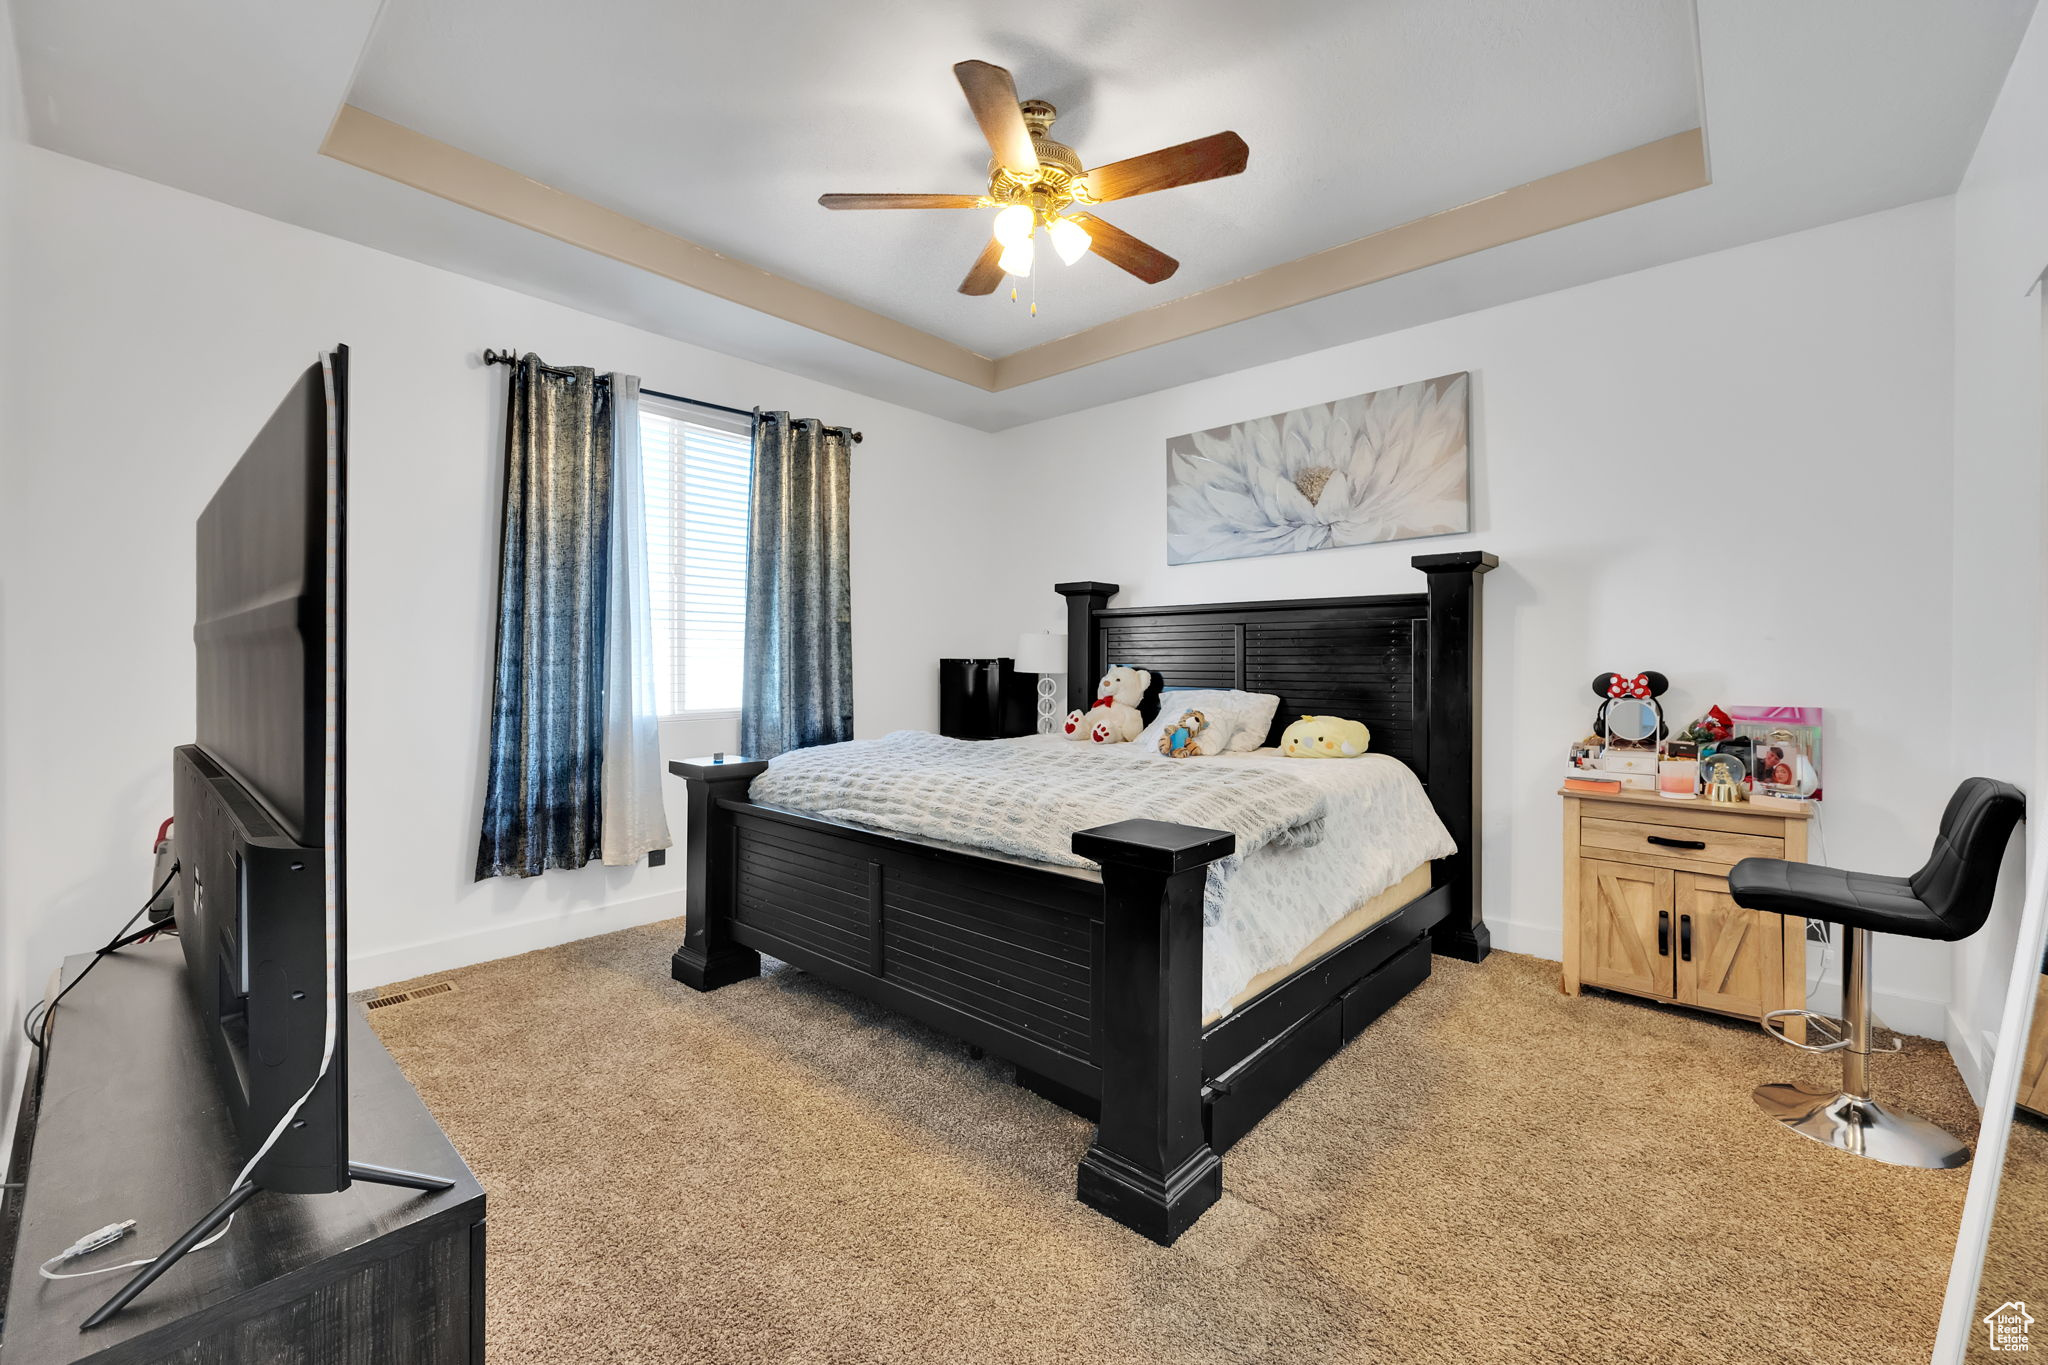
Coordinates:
x,y
1183,738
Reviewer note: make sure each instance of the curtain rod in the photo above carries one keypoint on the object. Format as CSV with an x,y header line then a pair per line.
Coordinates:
x,y
492,357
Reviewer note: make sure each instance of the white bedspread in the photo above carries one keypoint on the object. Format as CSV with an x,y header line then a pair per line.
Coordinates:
x,y
1028,799
1380,827
1316,838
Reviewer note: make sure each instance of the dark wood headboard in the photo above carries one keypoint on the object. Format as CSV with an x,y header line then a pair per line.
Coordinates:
x,y
1407,664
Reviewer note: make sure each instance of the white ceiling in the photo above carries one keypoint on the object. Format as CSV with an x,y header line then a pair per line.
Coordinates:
x,y
1359,116
723,122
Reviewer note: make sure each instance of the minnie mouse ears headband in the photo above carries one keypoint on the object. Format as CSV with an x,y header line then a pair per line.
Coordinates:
x,y
1638,687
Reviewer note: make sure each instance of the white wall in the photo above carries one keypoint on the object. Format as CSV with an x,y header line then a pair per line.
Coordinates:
x,y
2001,247
13,933
1733,469
13,111
149,334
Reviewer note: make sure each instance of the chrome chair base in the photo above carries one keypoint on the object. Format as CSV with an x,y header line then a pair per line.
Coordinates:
x,y
1862,1127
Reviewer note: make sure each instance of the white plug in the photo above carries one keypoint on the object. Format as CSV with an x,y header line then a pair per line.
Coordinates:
x,y
85,1246
93,1241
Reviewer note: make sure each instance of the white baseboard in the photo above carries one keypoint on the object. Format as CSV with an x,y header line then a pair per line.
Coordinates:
x,y
369,970
1972,1056
1916,1014
1536,940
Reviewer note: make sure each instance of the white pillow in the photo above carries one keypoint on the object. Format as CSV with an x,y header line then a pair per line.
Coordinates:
x,y
1247,715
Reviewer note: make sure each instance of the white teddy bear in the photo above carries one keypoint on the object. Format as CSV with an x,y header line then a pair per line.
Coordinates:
x,y
1114,718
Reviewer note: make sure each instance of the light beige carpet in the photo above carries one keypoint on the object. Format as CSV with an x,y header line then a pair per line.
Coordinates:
x,y
778,1172
2016,1261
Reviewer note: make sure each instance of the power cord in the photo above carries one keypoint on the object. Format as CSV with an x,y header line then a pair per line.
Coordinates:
x,y
91,1242
36,1023
106,1237
1827,951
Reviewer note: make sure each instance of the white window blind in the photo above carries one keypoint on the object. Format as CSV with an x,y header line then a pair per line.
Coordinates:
x,y
698,469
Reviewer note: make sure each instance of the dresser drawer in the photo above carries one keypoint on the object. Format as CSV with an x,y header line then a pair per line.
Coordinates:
x,y
1678,843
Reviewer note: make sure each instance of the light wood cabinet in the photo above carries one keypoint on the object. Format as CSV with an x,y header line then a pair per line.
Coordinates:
x,y
2034,1069
1729,959
1625,927
1647,909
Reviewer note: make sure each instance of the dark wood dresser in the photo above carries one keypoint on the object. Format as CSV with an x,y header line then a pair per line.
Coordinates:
x,y
131,1124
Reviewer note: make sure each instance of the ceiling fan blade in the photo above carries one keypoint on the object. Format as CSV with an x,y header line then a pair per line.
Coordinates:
x,y
900,201
993,97
1190,163
986,274
1124,251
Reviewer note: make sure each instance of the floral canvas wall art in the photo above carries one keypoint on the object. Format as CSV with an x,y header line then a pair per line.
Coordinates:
x,y
1389,465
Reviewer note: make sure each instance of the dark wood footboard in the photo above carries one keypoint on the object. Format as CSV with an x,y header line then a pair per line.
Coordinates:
x,y
1151,1166
1091,981
1013,957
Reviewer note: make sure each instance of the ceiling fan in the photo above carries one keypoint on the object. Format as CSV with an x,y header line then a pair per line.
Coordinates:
x,y
1038,183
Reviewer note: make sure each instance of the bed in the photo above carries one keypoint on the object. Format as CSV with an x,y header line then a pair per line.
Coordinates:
x,y
1090,978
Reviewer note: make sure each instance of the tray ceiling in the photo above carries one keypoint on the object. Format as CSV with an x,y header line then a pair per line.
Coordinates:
x,y
722,124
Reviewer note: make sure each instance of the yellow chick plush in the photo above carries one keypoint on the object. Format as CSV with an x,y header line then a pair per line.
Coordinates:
x,y
1324,737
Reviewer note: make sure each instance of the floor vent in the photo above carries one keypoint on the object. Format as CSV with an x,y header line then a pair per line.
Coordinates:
x,y
400,997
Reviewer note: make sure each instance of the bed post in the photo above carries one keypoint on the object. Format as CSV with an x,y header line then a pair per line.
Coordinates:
x,y
1151,1167
1083,667
1453,717
708,958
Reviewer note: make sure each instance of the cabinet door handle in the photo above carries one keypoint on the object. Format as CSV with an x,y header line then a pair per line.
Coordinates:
x,y
1663,933
1685,938
1663,842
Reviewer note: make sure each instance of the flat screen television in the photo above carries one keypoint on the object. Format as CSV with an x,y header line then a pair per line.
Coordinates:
x,y
257,800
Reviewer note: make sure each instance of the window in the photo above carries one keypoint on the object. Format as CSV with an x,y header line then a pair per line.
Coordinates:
x,y
698,465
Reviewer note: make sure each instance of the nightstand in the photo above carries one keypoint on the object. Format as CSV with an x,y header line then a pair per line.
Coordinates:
x,y
1647,910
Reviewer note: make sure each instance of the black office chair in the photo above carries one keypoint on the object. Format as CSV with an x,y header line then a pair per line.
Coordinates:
x,y
1948,899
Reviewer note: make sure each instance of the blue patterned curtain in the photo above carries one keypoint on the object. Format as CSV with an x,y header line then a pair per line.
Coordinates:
x,y
545,775
798,666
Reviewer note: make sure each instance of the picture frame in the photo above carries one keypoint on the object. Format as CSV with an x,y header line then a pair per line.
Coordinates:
x,y
1784,745
1392,464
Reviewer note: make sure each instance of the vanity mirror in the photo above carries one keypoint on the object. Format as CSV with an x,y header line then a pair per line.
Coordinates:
x,y
1631,725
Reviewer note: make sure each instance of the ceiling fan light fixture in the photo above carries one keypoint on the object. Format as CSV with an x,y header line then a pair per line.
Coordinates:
x,y
1017,257
1034,181
1014,224
1069,239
